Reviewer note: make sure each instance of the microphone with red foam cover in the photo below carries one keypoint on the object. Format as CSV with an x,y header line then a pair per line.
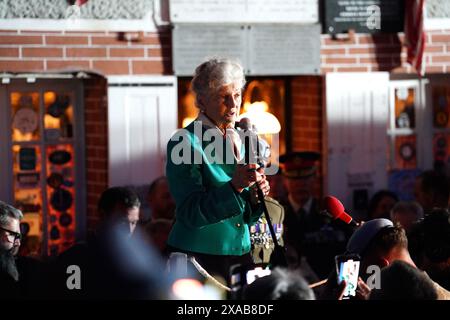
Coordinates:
x,y
336,210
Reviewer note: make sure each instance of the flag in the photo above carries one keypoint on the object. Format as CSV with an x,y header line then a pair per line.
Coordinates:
x,y
415,34
78,2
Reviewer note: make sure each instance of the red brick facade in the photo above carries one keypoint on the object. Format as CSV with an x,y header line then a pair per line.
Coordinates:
x,y
306,118
96,144
365,53
107,53
150,53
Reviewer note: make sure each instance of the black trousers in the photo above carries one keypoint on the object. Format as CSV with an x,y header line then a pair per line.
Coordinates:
x,y
217,265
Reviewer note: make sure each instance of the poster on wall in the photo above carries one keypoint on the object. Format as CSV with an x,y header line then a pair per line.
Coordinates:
x,y
441,150
363,16
405,152
402,183
27,158
192,44
293,49
269,49
441,106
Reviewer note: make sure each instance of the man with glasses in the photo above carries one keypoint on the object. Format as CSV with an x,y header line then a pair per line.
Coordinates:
x,y
9,247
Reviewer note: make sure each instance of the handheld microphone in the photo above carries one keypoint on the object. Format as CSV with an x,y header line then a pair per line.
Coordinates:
x,y
252,155
335,209
244,124
250,140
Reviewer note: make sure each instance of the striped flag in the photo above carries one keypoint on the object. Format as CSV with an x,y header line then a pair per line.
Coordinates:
x,y
78,2
415,34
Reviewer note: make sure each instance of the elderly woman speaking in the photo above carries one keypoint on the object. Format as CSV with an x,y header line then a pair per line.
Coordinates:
x,y
214,192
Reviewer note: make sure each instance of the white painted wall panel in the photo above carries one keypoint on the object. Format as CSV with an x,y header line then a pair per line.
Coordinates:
x,y
141,120
357,109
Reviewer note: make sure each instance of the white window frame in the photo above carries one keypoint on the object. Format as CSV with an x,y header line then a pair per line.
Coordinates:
x,y
420,120
436,23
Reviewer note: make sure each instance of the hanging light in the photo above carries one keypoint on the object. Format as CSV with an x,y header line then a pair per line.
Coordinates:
x,y
264,121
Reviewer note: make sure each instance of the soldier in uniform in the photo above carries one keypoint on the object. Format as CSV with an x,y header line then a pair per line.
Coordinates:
x,y
261,240
260,237
309,234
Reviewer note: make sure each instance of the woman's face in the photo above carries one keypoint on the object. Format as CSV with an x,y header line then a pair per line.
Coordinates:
x,y
223,105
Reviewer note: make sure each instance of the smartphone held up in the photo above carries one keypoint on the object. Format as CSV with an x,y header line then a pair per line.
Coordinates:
x,y
347,268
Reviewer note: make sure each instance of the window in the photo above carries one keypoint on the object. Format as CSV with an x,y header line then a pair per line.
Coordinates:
x,y
42,168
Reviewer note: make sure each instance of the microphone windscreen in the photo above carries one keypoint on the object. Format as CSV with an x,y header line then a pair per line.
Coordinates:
x,y
245,124
336,209
334,206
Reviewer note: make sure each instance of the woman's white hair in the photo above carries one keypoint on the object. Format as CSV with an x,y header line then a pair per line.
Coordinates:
x,y
215,73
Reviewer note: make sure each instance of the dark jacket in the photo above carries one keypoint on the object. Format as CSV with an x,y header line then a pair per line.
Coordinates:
x,y
315,236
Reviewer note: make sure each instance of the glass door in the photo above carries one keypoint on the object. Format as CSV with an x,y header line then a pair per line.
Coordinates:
x,y
47,171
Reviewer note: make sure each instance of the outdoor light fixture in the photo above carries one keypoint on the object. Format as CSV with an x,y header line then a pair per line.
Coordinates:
x,y
187,121
264,121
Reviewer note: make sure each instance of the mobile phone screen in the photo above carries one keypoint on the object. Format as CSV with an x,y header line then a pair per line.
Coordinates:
x,y
349,271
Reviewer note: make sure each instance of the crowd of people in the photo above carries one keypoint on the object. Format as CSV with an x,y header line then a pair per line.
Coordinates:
x,y
220,225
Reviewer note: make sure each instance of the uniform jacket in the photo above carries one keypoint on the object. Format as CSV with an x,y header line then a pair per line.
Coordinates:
x,y
262,242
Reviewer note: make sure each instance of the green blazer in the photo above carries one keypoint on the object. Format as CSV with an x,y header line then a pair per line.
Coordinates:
x,y
211,217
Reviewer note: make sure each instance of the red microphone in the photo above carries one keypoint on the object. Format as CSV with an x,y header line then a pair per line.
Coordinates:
x,y
336,210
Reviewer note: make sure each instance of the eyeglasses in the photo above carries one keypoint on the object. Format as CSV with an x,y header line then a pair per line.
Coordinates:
x,y
17,235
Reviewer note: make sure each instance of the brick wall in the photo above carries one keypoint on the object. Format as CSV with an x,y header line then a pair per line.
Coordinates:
x,y
306,113
306,119
362,53
96,144
102,52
